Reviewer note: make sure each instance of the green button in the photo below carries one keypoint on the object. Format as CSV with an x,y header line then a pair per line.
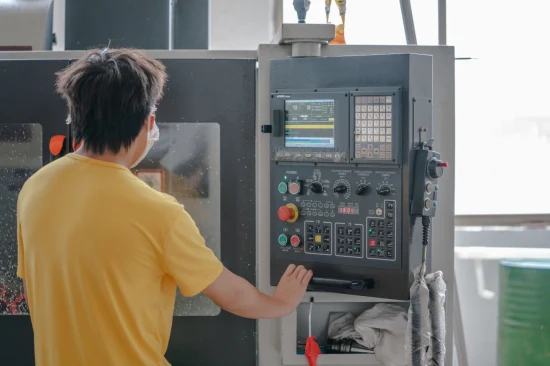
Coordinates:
x,y
283,240
283,188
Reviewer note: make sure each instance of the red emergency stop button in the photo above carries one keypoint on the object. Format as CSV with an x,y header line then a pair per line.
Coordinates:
x,y
295,240
284,213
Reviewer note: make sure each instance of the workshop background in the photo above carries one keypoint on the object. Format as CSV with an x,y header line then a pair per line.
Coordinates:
x,y
502,114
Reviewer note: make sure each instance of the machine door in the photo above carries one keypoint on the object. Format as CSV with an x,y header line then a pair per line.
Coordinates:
x,y
204,158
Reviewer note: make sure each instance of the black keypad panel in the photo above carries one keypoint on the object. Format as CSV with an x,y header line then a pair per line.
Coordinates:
x,y
349,240
381,234
318,238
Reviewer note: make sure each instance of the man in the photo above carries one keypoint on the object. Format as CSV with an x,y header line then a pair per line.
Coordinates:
x,y
101,252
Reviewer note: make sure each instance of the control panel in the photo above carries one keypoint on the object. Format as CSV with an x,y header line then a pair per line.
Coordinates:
x,y
353,176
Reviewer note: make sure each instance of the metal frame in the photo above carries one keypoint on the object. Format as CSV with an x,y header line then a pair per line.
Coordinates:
x,y
164,54
408,22
274,336
503,220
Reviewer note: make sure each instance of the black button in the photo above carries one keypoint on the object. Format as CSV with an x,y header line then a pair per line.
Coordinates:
x,y
389,254
381,234
358,242
341,240
349,251
349,231
372,223
349,241
389,224
326,239
372,252
326,248
357,231
390,244
310,228
372,233
389,234
381,243
309,237
381,252
318,247
341,250
390,205
326,229
310,248
341,231
317,229
381,224
389,215
357,250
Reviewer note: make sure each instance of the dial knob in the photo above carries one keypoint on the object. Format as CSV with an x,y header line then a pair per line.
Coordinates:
x,y
340,188
285,213
295,240
384,190
435,168
316,187
362,189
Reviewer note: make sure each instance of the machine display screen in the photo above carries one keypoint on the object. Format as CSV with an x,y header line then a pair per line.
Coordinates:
x,y
309,123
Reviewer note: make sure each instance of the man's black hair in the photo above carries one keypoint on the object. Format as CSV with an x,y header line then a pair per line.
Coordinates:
x,y
110,93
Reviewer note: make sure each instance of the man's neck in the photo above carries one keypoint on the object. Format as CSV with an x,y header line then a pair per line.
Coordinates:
x,y
121,159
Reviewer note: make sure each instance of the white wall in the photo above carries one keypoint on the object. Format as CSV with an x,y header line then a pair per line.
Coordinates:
x,y
243,24
23,23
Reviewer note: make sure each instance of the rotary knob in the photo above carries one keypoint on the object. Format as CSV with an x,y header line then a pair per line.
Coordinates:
x,y
316,187
384,190
362,189
340,188
435,168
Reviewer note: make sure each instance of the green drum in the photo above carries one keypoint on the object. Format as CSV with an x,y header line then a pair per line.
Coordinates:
x,y
524,313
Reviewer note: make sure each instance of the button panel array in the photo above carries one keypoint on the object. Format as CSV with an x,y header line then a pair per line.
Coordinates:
x,y
373,127
381,234
349,240
318,238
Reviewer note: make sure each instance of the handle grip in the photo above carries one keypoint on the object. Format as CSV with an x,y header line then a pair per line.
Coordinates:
x,y
356,285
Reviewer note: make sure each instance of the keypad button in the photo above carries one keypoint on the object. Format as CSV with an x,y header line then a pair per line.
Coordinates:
x,y
310,248
318,248
357,231
349,241
380,234
326,248
326,239
310,228
341,250
372,223
317,229
381,243
349,231
389,244
389,254
372,252
390,205
389,215
318,238
381,252
326,229
309,238
389,224
381,224
372,243
349,250
389,235
341,231
357,250
341,240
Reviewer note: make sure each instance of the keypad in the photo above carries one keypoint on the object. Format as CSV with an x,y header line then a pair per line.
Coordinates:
x,y
374,141
318,238
381,234
349,240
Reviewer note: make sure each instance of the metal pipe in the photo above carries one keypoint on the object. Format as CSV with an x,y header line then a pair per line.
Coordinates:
x,y
408,22
442,22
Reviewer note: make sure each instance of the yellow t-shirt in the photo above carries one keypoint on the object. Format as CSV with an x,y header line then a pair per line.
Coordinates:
x,y
101,253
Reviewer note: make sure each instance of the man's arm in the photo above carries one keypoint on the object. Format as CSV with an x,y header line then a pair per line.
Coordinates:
x,y
236,295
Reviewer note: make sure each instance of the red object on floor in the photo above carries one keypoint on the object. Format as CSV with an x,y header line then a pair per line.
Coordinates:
x,y
312,351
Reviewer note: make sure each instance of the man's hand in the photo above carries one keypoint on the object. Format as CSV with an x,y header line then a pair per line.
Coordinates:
x,y
292,286
234,294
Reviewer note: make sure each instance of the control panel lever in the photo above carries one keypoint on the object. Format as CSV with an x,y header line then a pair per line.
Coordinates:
x,y
356,285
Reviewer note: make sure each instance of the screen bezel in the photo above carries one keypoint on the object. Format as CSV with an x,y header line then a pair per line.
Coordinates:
x,y
341,127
